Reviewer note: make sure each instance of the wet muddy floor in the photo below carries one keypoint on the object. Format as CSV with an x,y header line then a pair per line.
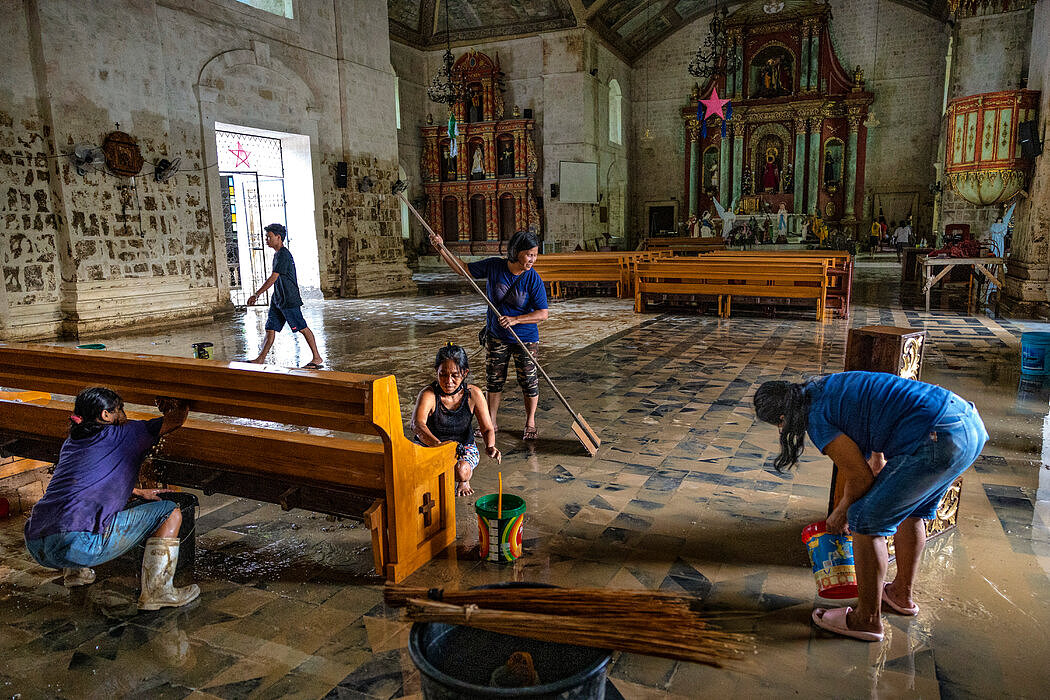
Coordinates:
x,y
682,497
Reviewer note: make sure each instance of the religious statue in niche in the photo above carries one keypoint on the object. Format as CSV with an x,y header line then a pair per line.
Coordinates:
x,y
711,172
771,171
832,166
448,164
771,72
505,158
474,110
477,166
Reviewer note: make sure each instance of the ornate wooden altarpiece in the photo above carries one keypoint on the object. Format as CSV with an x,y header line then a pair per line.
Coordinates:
x,y
485,193
797,134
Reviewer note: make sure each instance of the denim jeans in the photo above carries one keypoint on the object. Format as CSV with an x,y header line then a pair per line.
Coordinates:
x,y
911,486
67,550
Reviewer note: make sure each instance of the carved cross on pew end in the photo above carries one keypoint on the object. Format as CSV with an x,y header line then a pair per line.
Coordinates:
x,y
428,505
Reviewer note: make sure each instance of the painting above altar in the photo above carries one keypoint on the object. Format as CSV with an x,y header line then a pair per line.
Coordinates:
x,y
796,136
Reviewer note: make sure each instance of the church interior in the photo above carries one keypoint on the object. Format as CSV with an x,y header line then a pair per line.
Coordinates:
x,y
697,178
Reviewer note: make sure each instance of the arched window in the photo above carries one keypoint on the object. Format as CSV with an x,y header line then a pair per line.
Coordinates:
x,y
615,98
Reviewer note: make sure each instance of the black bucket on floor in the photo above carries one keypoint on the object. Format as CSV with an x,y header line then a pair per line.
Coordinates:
x,y
457,662
130,562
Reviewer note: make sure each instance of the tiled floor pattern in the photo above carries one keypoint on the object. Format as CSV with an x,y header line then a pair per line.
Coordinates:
x,y
681,497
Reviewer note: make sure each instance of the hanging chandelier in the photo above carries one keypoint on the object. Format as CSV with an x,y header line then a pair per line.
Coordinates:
x,y
446,88
713,53
647,136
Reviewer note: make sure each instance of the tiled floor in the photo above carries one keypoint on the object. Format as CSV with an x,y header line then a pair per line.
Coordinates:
x,y
681,497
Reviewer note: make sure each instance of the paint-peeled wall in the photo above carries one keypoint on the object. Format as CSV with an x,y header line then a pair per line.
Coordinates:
x,y
1028,268
29,242
86,254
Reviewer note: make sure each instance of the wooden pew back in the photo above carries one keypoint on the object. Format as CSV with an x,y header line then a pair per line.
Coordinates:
x,y
726,278
840,269
390,482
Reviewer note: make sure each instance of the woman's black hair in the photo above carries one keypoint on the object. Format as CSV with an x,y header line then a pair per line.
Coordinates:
x,y
774,400
455,353
520,241
86,420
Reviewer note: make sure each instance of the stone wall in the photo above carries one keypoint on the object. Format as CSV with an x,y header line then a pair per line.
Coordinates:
x,y
91,253
551,75
370,225
901,52
1028,268
989,53
410,65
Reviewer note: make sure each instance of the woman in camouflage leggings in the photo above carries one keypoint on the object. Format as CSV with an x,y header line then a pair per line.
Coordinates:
x,y
517,290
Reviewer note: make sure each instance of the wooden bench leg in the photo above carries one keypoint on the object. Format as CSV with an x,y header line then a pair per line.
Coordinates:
x,y
375,516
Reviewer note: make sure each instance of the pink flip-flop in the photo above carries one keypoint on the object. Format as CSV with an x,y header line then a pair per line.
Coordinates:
x,y
899,609
834,620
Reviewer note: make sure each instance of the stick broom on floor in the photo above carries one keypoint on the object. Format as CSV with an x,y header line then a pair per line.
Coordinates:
x,y
579,601
587,437
638,633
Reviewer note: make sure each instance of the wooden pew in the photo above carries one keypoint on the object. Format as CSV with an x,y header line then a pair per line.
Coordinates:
x,y
686,246
583,267
331,442
724,279
840,270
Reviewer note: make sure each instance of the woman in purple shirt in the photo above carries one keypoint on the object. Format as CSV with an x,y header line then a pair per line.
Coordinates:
x,y
84,519
898,444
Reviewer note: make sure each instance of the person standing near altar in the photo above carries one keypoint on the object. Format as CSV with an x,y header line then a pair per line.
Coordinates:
x,y
901,237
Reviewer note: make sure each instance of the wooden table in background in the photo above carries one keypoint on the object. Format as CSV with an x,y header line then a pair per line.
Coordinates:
x,y
978,264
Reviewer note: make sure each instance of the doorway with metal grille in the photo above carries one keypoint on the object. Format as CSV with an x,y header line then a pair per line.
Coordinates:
x,y
255,169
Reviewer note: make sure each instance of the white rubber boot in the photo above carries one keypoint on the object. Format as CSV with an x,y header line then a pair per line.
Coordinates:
x,y
158,568
80,576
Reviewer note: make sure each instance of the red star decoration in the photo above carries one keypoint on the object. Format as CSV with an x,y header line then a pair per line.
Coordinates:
x,y
714,105
241,155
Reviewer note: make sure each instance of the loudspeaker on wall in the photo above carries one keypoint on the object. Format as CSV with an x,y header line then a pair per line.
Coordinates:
x,y
340,173
528,113
1029,139
554,190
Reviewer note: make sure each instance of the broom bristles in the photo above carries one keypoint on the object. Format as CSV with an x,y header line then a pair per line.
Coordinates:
x,y
639,633
581,602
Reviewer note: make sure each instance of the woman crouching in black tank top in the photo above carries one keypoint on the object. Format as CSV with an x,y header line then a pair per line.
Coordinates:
x,y
445,411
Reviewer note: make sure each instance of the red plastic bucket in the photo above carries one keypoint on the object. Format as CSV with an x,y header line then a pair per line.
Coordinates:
x,y
832,560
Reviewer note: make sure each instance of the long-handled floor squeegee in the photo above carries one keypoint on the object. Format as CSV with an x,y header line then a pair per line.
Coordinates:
x,y
587,437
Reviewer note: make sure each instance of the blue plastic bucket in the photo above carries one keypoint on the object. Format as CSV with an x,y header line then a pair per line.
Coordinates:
x,y
1035,353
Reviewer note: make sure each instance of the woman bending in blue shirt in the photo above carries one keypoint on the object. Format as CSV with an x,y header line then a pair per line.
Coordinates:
x,y
898,444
